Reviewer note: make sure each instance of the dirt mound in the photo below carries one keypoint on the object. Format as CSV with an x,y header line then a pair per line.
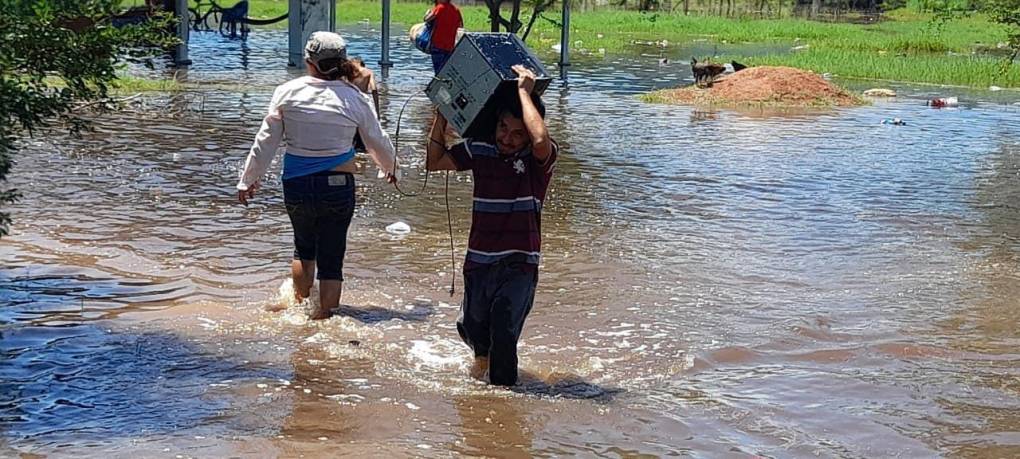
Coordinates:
x,y
770,86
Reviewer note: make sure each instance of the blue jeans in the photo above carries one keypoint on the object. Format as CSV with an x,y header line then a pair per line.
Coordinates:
x,y
320,207
439,58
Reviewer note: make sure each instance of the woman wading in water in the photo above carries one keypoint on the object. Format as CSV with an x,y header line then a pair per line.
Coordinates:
x,y
316,117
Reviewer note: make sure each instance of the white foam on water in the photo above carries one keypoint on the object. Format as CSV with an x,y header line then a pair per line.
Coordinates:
x,y
442,354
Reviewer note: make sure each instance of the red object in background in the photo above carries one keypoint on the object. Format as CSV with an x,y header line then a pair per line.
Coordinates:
x,y
444,30
942,102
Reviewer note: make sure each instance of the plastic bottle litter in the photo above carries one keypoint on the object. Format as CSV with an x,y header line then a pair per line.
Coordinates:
x,y
399,228
944,102
894,122
994,88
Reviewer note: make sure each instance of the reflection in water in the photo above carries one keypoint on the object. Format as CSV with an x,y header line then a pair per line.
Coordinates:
x,y
797,284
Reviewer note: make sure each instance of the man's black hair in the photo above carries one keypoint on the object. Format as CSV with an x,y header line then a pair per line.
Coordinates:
x,y
513,107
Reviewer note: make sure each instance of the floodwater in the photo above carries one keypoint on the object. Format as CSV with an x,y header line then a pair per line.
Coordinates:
x,y
715,284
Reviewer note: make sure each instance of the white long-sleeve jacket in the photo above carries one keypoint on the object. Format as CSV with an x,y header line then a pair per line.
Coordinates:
x,y
316,118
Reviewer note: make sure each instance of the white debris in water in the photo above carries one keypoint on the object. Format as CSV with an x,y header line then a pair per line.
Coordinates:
x,y
284,382
399,228
323,438
207,324
994,88
424,446
261,385
412,406
307,391
346,398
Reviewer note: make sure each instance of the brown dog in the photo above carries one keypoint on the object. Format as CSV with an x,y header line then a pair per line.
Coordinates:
x,y
705,72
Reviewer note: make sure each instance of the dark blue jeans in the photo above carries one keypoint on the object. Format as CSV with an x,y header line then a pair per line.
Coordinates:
x,y
320,207
439,58
497,300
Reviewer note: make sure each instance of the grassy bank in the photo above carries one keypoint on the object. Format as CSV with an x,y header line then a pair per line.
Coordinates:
x,y
903,48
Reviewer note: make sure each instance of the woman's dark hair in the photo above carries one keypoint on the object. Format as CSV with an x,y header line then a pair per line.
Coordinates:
x,y
335,69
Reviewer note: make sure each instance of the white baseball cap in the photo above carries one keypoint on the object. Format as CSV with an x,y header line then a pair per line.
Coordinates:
x,y
325,45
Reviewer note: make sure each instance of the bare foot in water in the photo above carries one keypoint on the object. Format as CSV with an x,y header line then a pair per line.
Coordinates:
x,y
320,313
480,369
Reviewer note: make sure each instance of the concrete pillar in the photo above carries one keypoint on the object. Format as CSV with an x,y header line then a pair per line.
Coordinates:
x,y
384,60
565,36
305,17
183,32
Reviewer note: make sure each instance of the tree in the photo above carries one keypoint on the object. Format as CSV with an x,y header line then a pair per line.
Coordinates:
x,y
57,55
514,24
1007,12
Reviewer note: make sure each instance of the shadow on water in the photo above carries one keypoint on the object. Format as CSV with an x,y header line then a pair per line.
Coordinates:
x,y
65,379
419,312
564,386
92,385
50,296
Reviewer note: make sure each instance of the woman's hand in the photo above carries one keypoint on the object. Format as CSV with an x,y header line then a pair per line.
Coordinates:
x,y
526,78
244,195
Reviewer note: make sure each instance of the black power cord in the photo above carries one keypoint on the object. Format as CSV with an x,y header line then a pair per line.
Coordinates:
x,y
446,192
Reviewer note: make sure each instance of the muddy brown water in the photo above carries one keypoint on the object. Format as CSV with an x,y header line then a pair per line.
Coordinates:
x,y
715,284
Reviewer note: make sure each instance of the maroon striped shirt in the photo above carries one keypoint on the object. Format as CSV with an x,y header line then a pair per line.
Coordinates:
x,y
506,218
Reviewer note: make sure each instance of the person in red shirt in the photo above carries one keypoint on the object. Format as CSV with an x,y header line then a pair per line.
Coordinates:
x,y
446,19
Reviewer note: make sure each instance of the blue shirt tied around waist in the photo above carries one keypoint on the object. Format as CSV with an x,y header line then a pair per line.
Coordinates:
x,y
299,166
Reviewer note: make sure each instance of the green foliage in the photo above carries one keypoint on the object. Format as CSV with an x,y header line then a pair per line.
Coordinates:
x,y
55,55
1007,12
1003,12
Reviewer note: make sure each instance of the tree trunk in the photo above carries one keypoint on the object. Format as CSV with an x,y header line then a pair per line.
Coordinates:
x,y
493,14
515,15
816,5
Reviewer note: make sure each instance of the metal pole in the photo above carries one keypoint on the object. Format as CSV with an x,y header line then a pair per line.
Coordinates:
x,y
294,44
565,36
385,58
332,15
183,32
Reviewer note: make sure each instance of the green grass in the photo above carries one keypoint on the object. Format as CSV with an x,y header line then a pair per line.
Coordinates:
x,y
129,84
126,84
905,47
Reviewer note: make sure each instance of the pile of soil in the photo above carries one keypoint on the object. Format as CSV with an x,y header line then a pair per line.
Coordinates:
x,y
768,86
